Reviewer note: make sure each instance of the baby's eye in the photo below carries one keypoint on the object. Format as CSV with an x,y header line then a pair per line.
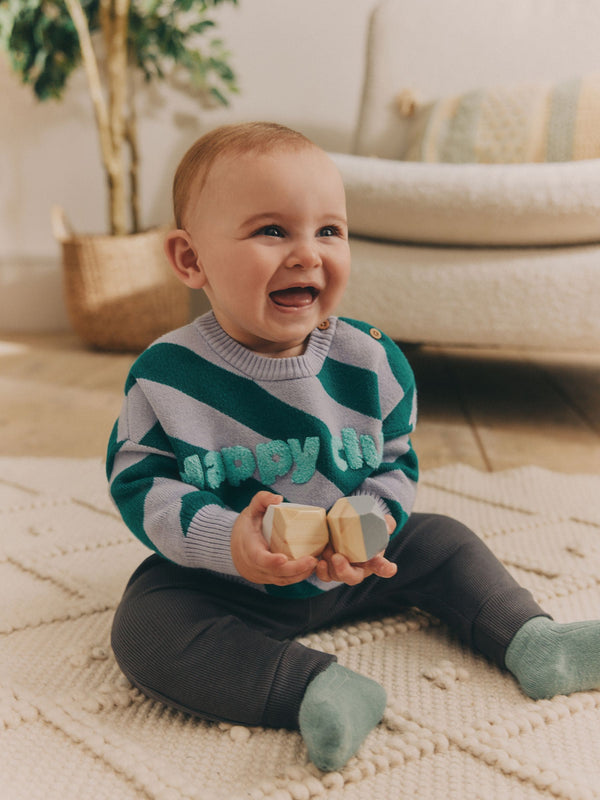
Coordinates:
x,y
330,230
271,230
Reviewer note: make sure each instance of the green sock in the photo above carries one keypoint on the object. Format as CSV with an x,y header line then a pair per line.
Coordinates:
x,y
549,658
340,707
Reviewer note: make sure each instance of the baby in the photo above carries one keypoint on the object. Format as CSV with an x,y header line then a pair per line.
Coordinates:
x,y
269,396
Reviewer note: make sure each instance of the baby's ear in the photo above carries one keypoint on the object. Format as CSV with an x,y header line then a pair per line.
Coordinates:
x,y
184,259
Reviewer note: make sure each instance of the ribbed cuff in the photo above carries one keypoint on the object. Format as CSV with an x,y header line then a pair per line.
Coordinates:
x,y
499,620
208,540
297,667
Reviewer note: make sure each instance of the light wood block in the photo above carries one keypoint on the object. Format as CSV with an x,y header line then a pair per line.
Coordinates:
x,y
357,528
295,530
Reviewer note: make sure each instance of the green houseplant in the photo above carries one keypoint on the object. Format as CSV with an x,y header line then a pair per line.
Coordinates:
x,y
115,41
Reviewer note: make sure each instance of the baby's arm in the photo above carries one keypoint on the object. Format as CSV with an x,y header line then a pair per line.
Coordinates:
x,y
163,508
189,526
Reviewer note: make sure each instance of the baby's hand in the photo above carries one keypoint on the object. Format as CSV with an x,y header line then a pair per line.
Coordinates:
x,y
251,555
336,567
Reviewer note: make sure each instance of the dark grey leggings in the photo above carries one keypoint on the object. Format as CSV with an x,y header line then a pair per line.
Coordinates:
x,y
223,650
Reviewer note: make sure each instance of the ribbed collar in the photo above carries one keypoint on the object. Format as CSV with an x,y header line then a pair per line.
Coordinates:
x,y
263,368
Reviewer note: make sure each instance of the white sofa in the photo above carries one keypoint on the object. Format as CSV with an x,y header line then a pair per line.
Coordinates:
x,y
483,254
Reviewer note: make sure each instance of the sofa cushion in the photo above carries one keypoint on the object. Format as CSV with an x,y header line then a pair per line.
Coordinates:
x,y
472,204
447,47
526,122
490,297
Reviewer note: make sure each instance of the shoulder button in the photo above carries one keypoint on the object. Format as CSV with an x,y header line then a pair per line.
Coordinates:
x,y
375,333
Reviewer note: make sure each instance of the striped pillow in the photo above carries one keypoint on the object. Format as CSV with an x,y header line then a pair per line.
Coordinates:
x,y
509,125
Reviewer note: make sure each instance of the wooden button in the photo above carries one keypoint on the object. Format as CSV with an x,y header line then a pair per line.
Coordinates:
x,y
322,326
375,333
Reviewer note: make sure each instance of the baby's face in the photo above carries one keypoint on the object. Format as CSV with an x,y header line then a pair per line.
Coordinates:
x,y
271,237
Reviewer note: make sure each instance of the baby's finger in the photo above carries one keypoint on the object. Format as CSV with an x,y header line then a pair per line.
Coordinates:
x,y
260,502
266,561
381,567
346,572
322,571
293,572
294,568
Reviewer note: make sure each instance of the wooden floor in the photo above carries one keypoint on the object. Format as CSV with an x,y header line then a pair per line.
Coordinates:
x,y
491,409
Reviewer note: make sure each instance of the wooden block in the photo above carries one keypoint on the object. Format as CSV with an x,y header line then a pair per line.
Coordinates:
x,y
295,530
357,528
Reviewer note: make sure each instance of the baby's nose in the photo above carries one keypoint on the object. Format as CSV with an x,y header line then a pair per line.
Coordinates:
x,y
304,254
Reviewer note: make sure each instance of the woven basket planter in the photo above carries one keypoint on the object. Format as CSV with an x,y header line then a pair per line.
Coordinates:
x,y
120,291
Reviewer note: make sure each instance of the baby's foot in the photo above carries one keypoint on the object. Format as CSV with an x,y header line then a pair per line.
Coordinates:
x,y
339,709
549,658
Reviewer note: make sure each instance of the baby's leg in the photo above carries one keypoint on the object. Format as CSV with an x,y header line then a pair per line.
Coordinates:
x,y
444,568
217,649
178,636
546,657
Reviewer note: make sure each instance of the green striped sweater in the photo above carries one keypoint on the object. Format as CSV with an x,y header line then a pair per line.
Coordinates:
x,y
206,424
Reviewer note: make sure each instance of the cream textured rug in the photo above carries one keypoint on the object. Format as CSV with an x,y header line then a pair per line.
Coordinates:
x,y
456,728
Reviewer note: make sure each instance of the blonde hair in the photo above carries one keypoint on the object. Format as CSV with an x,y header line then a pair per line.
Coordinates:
x,y
239,139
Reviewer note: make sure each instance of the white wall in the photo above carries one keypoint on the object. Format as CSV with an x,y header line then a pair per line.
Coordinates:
x,y
299,63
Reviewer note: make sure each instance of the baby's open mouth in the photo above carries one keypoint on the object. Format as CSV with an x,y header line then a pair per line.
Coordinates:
x,y
294,296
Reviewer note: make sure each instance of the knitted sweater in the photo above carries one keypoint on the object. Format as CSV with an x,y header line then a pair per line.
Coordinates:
x,y
207,423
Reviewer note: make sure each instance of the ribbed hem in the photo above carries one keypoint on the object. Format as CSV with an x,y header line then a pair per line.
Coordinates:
x,y
297,667
208,540
500,619
264,368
